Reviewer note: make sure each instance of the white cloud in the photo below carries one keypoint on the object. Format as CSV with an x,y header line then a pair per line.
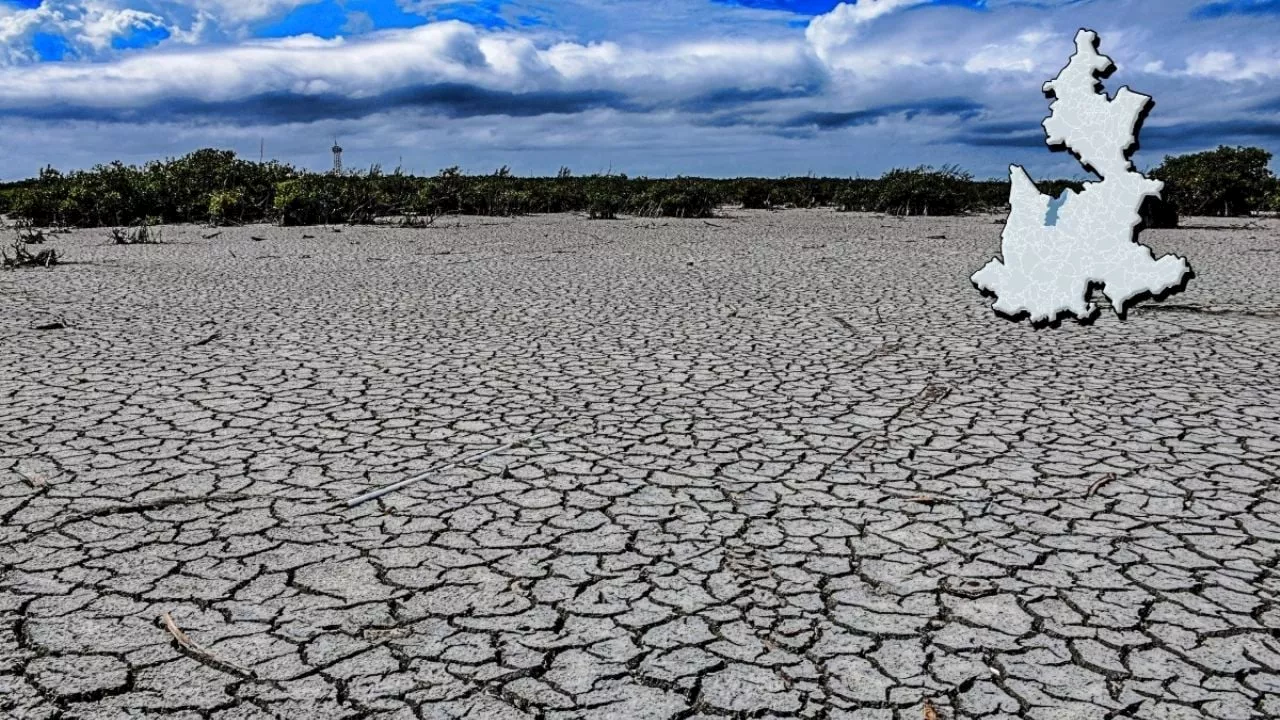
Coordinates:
x,y
1223,65
837,33
698,79
446,52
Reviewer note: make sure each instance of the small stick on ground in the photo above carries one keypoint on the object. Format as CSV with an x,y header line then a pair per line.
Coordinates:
x,y
186,643
216,334
844,323
1103,481
372,495
212,235
255,238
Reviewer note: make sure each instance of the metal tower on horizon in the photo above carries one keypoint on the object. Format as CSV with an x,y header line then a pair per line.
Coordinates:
x,y
337,157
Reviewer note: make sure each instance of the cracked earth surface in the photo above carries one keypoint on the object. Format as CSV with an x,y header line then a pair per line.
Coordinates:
x,y
798,469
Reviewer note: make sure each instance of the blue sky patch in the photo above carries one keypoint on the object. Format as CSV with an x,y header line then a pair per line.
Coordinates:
x,y
50,47
1237,7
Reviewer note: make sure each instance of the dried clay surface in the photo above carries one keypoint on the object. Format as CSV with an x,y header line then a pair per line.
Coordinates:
x,y
799,469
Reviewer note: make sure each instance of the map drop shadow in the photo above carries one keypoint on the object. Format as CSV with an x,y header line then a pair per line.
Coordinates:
x,y
1093,285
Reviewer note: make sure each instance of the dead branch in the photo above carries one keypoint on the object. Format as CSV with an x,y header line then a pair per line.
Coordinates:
x,y
186,643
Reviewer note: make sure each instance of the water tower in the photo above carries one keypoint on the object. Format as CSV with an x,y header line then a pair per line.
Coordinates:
x,y
337,157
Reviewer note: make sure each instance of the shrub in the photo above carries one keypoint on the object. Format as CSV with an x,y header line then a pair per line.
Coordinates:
x,y
605,196
755,195
924,191
225,207
1157,214
682,197
1225,182
856,196
216,186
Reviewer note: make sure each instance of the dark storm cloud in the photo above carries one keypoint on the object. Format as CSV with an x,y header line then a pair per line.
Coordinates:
x,y
452,100
959,107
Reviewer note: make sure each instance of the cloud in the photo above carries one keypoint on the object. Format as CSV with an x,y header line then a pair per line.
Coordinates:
x,y
87,28
392,68
957,107
1224,65
725,81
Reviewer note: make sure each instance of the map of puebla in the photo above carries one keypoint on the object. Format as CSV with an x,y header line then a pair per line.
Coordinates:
x,y
1056,250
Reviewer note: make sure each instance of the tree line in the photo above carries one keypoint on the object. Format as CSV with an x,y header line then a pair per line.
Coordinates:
x,y
217,187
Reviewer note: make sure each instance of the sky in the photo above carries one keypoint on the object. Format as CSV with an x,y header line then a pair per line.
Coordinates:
x,y
716,88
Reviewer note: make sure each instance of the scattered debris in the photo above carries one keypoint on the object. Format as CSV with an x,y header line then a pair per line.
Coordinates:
x,y
216,334
138,235
386,633
930,712
59,324
186,643
33,237
24,258
1102,481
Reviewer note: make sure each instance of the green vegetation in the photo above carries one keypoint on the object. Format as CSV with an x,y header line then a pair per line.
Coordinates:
x,y
1223,182
217,188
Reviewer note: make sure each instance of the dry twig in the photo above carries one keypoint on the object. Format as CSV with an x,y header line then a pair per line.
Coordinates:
x,y
186,643
214,336
1102,481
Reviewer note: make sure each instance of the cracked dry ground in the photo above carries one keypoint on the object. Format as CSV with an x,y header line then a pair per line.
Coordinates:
x,y
805,473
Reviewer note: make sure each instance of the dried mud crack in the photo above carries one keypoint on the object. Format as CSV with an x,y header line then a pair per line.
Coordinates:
x,y
818,485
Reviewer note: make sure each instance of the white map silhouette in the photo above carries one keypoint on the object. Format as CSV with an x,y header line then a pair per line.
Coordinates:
x,y
1055,249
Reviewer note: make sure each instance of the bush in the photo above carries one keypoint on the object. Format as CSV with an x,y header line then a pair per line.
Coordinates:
x,y
856,196
924,191
1273,197
226,207
682,197
605,196
755,195
1224,182
216,186
1158,214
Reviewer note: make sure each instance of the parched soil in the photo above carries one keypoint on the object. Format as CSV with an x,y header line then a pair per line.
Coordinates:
x,y
796,468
